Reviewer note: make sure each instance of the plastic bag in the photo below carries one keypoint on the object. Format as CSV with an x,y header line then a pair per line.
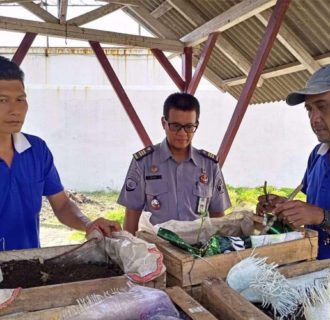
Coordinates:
x,y
134,304
141,261
237,223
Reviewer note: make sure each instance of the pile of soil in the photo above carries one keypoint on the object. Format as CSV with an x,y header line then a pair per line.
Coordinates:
x,y
32,273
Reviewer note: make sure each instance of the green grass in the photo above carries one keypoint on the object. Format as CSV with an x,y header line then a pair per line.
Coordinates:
x,y
241,197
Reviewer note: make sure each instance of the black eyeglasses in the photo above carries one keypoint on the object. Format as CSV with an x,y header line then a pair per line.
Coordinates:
x,y
188,128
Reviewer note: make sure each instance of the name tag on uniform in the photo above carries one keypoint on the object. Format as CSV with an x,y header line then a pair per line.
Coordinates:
x,y
153,177
201,204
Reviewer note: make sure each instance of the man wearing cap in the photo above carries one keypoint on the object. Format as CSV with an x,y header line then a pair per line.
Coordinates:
x,y
27,173
172,179
314,214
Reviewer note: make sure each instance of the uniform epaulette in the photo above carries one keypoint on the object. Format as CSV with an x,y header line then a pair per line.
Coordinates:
x,y
209,155
142,153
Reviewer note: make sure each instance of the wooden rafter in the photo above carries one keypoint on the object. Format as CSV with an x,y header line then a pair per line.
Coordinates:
x,y
14,1
133,3
159,30
94,14
161,9
40,12
292,43
69,31
62,10
223,43
236,14
280,70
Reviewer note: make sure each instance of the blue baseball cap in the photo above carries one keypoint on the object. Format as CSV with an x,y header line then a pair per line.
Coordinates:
x,y
318,83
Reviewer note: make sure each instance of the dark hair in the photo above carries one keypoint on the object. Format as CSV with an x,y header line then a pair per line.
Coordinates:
x,y
10,70
181,101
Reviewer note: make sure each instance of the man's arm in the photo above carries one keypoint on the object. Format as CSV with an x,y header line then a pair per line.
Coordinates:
x,y
131,220
216,214
69,214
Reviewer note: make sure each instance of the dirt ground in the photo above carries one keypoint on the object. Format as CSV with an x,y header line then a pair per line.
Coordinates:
x,y
53,233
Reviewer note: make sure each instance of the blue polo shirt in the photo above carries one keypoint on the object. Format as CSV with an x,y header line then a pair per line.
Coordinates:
x,y
317,189
31,176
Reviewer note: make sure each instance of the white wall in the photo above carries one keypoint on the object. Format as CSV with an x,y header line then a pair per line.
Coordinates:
x,y
74,108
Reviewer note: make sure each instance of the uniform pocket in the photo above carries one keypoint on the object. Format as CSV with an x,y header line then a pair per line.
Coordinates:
x,y
157,190
202,190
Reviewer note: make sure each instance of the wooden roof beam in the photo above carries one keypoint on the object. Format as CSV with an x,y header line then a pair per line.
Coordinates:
x,y
69,31
280,70
14,1
158,29
62,6
292,43
39,12
223,43
236,14
161,9
94,14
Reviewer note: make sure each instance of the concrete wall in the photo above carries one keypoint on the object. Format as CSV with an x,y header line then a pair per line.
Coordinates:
x,y
74,108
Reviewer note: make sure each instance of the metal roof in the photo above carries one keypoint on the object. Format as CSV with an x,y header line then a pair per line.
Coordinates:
x,y
301,47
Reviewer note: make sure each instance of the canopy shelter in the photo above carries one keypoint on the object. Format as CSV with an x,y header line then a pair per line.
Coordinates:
x,y
256,50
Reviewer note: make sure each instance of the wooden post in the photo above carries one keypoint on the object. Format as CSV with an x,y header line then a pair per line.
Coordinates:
x,y
120,92
23,48
187,66
162,59
205,56
253,77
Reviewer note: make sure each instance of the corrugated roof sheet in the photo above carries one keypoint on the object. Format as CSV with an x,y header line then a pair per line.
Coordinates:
x,y
309,20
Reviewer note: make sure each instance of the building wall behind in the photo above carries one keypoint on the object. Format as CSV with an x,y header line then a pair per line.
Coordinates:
x,y
74,108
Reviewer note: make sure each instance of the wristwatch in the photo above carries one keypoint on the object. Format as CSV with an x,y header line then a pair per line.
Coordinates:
x,y
326,220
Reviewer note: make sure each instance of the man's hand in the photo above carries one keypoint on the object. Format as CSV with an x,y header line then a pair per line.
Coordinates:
x,y
297,213
268,203
100,228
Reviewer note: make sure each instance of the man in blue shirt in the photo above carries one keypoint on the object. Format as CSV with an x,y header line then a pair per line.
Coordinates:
x,y
314,214
27,173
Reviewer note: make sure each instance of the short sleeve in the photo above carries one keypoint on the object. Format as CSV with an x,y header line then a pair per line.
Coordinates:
x,y
132,194
52,181
220,199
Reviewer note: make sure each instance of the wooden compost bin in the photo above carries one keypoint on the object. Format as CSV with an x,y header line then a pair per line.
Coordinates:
x,y
58,295
185,271
227,304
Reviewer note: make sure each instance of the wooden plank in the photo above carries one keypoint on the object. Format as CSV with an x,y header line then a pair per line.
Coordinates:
x,y
236,14
188,271
189,305
301,268
39,12
161,9
79,33
61,295
94,14
225,303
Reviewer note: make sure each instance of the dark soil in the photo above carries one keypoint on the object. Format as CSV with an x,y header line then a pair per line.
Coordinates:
x,y
31,273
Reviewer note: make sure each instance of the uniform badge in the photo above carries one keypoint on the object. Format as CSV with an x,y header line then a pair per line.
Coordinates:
x,y
204,178
155,204
153,169
130,184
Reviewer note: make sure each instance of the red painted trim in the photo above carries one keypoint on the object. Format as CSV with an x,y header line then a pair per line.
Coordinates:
x,y
253,77
120,92
187,66
204,58
23,48
162,59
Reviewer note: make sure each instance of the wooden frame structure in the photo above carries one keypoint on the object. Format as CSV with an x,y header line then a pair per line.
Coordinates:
x,y
206,38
